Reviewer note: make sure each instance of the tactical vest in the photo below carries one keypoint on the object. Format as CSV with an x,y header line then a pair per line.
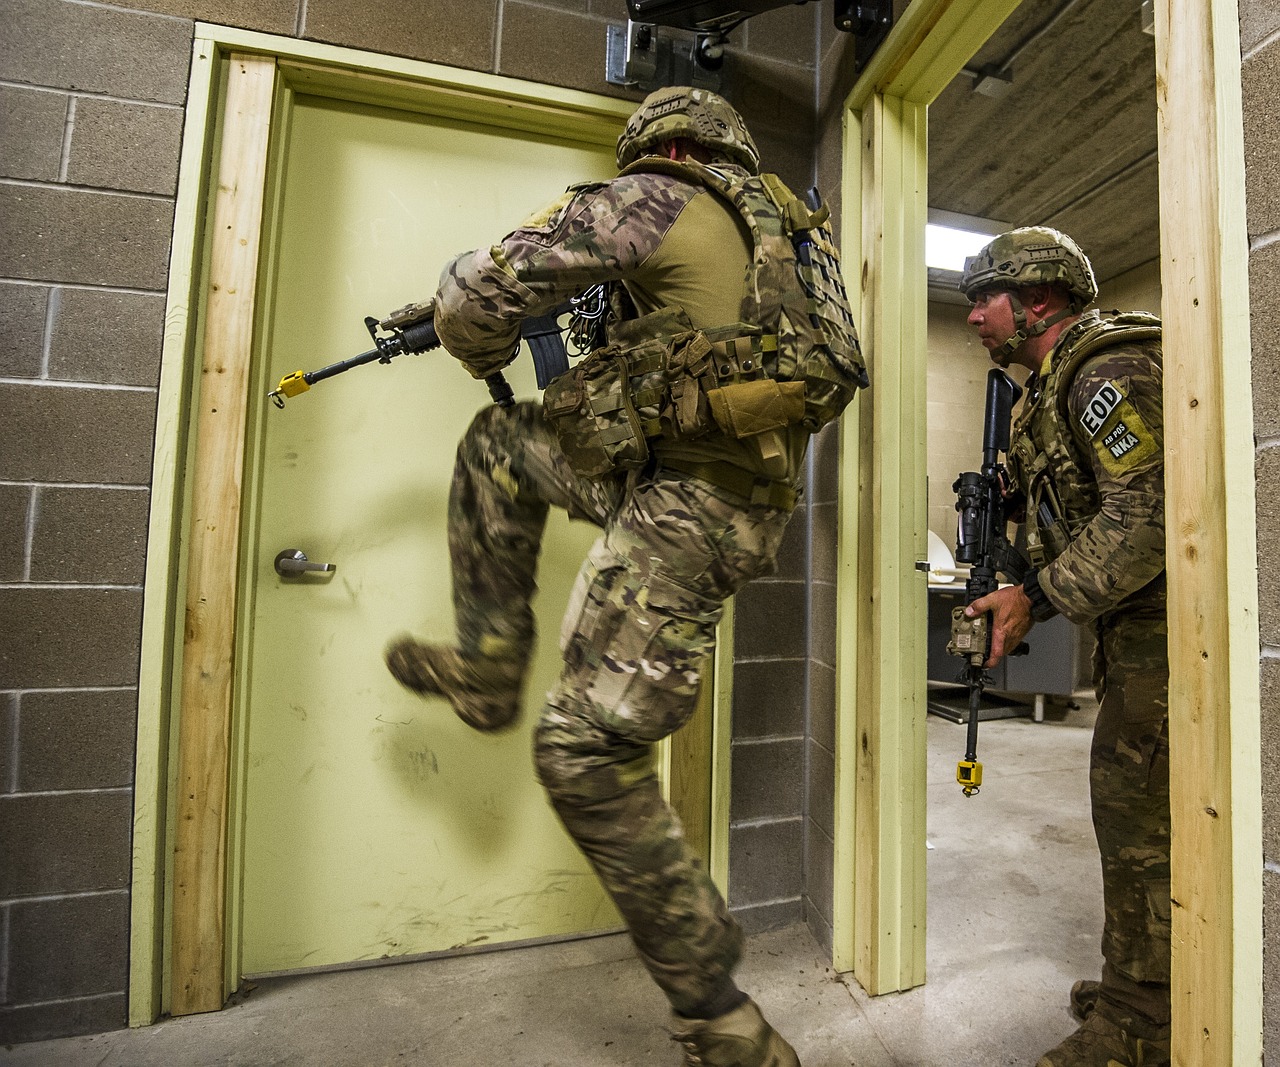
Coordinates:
x,y
1045,458
792,362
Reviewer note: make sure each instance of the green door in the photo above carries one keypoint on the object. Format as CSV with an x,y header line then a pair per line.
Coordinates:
x,y
373,824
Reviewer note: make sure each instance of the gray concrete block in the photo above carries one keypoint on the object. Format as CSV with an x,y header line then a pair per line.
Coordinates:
x,y
767,780
8,755
768,862
769,620
69,638
785,34
822,704
107,337
68,947
94,48
22,314
761,918
72,235
73,434
31,130
561,47
96,536
270,16
103,725
615,10
1264,326
824,550
768,698
820,804
822,623
1270,960
824,478
23,1023
1260,85
64,843
819,876
1267,469
461,35
1259,19
819,928
793,552
118,145
15,506
1269,682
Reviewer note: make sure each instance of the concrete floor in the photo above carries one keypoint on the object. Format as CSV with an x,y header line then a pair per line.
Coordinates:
x,y
1015,916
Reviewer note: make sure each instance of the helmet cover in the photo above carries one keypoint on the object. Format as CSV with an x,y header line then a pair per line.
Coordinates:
x,y
1031,255
700,115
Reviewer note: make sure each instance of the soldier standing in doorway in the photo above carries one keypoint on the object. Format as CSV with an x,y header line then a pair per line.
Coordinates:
x,y
728,342
1087,459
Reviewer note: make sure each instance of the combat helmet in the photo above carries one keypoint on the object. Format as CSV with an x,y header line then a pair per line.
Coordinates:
x,y
701,116
1031,255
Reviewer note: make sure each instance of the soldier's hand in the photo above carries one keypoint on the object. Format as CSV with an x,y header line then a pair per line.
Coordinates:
x,y
1011,619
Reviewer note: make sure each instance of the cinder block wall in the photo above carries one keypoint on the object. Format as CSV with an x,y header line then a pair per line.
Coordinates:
x,y
1260,77
91,109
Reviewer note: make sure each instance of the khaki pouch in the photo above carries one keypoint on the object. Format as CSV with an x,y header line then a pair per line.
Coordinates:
x,y
745,409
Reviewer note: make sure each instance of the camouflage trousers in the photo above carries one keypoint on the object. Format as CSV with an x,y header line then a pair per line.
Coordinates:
x,y
1129,787
636,639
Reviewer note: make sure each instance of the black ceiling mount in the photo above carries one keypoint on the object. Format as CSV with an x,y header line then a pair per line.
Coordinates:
x,y
712,21
869,22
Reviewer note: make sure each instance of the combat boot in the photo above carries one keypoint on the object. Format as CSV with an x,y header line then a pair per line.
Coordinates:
x,y
1101,1043
1084,998
484,691
740,1038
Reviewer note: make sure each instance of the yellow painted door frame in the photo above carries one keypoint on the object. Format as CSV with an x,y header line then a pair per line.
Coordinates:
x,y
180,960
879,901
880,883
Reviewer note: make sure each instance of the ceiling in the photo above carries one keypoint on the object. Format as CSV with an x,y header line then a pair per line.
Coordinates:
x,y
1071,143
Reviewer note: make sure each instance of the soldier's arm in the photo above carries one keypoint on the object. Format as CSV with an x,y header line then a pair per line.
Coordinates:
x,y
1116,413
592,234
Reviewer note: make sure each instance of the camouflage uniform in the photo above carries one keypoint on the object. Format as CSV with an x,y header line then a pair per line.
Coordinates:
x,y
641,619
1092,470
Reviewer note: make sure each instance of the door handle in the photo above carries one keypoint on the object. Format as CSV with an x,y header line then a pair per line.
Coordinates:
x,y
291,562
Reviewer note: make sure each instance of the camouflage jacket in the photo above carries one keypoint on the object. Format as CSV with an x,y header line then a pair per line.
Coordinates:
x,y
1088,452
672,243
666,239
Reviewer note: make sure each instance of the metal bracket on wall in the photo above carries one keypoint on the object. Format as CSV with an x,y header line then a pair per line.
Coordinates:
x,y
640,56
869,22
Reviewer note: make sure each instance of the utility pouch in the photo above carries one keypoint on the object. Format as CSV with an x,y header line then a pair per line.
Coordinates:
x,y
595,421
745,409
608,407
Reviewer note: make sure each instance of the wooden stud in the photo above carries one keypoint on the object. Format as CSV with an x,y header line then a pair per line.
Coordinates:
x,y
689,769
1210,524
213,562
156,680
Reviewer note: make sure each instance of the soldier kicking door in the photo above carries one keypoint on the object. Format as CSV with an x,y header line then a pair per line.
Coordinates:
x,y
375,824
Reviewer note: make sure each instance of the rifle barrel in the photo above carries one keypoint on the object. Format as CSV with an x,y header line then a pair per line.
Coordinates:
x,y
337,368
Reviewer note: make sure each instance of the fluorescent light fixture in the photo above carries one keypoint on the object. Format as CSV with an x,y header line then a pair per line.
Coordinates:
x,y
946,247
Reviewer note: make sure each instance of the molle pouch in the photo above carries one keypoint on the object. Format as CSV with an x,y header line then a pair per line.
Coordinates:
x,y
591,410
745,409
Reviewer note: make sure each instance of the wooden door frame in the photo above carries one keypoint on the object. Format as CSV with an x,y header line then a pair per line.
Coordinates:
x,y
1213,641
189,685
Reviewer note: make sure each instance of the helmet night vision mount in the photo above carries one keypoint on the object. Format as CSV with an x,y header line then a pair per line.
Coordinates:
x,y
639,59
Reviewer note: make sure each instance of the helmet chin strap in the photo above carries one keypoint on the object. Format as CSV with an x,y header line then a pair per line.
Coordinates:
x,y
1024,333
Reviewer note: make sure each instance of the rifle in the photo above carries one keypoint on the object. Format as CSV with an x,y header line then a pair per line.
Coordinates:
x,y
411,329
981,542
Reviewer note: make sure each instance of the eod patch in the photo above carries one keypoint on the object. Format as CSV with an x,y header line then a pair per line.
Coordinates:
x,y
1119,435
